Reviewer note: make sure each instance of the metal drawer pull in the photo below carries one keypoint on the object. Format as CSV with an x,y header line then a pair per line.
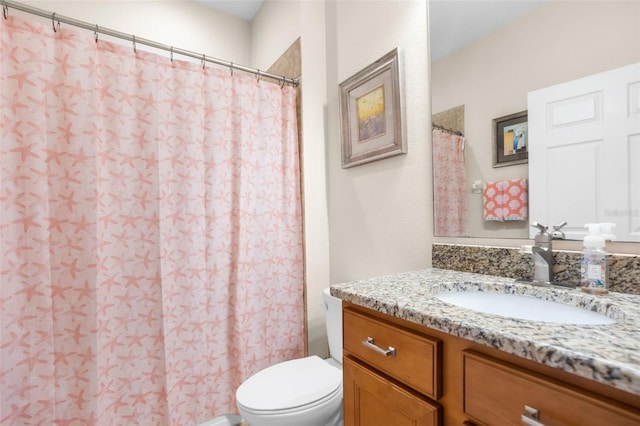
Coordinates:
x,y
531,416
386,352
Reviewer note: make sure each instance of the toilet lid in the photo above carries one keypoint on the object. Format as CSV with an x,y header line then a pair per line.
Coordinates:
x,y
289,384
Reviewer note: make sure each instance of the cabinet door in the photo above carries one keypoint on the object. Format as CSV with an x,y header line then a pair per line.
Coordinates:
x,y
370,399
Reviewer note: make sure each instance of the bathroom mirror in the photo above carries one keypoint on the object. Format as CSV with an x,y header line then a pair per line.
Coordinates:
x,y
532,45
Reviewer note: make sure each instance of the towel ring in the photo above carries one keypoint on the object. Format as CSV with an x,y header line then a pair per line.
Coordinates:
x,y
5,11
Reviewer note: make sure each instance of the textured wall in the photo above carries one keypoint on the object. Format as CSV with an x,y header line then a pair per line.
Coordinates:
x,y
380,213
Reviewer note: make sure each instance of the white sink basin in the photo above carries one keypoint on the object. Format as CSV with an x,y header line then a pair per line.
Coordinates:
x,y
522,307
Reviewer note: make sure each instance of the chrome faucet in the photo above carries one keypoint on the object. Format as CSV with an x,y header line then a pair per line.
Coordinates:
x,y
543,251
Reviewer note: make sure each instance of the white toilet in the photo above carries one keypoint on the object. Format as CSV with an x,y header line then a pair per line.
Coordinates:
x,y
305,391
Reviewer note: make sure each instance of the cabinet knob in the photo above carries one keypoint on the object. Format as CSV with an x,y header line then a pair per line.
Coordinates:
x,y
386,352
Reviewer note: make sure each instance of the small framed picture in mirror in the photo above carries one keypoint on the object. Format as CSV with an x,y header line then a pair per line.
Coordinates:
x,y
510,139
370,115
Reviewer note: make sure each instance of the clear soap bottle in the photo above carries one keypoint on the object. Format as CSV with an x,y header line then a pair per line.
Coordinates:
x,y
593,262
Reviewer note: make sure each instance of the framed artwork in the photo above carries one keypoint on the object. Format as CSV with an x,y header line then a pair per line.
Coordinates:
x,y
510,140
370,114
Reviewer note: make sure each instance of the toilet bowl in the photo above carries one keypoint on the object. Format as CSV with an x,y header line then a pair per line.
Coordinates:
x,y
305,391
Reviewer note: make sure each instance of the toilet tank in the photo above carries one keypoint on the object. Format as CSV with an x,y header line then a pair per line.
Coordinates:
x,y
333,315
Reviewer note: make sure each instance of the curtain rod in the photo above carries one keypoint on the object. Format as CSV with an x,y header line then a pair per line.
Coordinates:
x,y
136,40
446,129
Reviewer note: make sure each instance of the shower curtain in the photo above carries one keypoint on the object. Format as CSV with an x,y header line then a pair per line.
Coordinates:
x,y
449,180
150,219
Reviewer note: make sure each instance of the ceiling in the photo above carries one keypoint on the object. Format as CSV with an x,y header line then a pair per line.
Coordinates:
x,y
455,23
243,9
452,23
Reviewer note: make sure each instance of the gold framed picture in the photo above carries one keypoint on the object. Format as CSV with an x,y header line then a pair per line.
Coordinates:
x,y
370,113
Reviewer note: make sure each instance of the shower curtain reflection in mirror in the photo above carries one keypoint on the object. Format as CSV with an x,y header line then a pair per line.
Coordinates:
x,y
449,197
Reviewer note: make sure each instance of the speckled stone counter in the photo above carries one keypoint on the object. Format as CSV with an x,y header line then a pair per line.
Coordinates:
x,y
608,354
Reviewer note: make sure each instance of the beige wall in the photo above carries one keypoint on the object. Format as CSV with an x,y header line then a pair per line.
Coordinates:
x,y
557,42
380,213
314,105
274,28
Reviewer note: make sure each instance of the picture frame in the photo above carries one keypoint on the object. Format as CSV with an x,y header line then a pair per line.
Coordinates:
x,y
370,113
511,140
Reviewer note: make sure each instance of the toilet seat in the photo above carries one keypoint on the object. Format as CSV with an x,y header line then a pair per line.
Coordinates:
x,y
328,400
290,386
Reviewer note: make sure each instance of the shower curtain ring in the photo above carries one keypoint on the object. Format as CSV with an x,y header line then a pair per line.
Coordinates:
x,y
134,44
171,54
231,69
5,11
53,22
203,60
258,77
95,33
282,83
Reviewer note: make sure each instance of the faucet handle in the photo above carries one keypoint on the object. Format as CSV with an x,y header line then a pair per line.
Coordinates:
x,y
560,225
541,227
557,233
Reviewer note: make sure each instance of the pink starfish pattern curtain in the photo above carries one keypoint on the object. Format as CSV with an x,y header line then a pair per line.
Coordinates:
x,y
449,181
151,252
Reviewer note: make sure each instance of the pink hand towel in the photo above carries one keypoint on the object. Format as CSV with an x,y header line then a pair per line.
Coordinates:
x,y
506,200
492,200
515,199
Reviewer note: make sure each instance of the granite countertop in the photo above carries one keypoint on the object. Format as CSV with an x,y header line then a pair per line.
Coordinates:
x,y
608,354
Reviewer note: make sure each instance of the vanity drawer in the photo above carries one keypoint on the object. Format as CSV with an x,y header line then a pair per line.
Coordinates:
x,y
409,357
497,393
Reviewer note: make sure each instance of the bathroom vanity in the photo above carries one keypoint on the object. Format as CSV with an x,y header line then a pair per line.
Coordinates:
x,y
410,358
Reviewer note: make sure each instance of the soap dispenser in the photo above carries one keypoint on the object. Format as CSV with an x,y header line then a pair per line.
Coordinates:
x,y
593,262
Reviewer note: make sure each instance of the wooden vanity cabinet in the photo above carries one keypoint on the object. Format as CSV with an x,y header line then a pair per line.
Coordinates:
x,y
447,380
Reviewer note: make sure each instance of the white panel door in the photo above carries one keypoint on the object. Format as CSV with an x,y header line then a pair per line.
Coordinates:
x,y
584,153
